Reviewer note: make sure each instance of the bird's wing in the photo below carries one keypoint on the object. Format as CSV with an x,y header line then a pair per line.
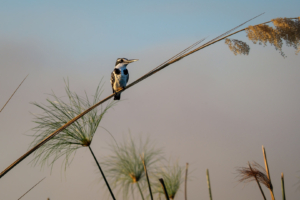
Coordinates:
x,y
127,78
112,81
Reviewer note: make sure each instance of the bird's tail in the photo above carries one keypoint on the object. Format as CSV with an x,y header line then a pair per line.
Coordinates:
x,y
117,96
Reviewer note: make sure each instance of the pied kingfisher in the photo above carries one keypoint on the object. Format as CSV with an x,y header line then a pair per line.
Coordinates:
x,y
120,76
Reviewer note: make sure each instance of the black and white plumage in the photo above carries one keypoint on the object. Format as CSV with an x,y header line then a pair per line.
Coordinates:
x,y
120,76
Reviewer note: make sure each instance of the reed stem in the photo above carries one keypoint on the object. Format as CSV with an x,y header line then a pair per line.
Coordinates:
x,y
208,184
282,187
185,182
164,188
149,186
112,195
138,185
268,172
262,192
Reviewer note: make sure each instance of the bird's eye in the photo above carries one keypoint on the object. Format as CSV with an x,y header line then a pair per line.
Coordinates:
x,y
121,60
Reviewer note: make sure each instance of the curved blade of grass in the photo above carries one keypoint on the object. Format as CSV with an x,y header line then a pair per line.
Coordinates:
x,y
109,97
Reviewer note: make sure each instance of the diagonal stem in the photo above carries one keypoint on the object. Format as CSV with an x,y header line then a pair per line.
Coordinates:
x,y
112,195
106,99
164,188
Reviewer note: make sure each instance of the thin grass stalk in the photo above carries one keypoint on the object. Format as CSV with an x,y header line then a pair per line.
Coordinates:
x,y
109,97
112,195
185,181
146,173
208,184
164,188
13,94
138,185
282,187
262,192
31,188
268,172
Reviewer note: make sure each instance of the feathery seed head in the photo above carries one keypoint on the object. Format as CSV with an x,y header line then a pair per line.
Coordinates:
x,y
127,169
56,114
284,29
237,46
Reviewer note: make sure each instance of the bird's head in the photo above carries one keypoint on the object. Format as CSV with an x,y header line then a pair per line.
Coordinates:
x,y
124,61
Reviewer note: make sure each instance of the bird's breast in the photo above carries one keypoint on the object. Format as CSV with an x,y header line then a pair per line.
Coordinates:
x,y
120,79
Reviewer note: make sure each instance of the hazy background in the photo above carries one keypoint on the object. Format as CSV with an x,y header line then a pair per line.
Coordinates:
x,y
212,109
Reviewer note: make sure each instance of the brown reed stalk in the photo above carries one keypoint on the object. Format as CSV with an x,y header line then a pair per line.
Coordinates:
x,y
31,188
164,188
176,58
185,181
13,94
146,173
268,172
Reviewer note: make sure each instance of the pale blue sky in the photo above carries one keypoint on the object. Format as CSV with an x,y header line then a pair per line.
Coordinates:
x,y
212,109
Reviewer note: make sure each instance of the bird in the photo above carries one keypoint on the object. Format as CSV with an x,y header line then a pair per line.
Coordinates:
x,y
120,76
